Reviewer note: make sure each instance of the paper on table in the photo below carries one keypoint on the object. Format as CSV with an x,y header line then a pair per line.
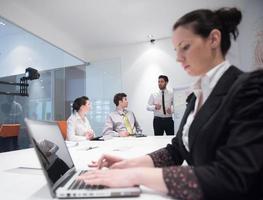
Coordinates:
x,y
26,170
71,144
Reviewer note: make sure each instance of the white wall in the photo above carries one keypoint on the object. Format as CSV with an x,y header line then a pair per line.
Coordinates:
x,y
141,64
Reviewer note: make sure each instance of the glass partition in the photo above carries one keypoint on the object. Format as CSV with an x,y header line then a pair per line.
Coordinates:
x,y
50,98
47,95
63,79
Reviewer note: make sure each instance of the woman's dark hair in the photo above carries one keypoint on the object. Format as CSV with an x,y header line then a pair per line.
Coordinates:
x,y
78,102
118,97
203,21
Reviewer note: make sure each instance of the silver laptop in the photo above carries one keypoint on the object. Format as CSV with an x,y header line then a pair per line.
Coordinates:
x,y
59,168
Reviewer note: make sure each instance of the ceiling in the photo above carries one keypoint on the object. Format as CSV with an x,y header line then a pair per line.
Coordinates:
x,y
7,28
96,24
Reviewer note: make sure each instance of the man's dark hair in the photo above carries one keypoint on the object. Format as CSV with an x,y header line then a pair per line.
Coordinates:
x,y
118,97
165,78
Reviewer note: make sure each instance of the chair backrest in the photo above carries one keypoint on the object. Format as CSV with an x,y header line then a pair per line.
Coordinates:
x,y
63,128
9,130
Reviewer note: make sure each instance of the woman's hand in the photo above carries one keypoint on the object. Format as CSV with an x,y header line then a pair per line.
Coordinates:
x,y
111,178
149,177
106,161
89,134
114,162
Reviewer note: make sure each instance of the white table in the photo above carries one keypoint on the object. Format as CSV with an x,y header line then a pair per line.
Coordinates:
x,y
17,183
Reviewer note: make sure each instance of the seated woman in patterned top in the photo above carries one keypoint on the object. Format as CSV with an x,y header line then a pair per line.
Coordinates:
x,y
221,132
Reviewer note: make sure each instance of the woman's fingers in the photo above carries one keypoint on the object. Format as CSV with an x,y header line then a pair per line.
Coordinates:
x,y
93,164
96,177
100,162
105,161
109,177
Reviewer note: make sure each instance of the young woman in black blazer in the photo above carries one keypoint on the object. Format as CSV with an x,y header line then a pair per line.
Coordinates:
x,y
221,133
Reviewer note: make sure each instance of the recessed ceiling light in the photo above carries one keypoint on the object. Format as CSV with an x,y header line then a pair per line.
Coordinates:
x,y
2,23
150,36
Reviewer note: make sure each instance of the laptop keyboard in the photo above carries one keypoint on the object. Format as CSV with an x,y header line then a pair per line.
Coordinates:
x,y
81,185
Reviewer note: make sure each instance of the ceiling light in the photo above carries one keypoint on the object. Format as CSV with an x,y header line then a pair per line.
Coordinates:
x,y
2,23
152,39
150,36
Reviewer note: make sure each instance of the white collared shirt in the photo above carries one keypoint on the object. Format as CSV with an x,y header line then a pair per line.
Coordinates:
x,y
156,98
77,127
202,89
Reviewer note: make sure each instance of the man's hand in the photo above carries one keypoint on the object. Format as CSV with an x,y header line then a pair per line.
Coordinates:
x,y
169,110
124,133
157,106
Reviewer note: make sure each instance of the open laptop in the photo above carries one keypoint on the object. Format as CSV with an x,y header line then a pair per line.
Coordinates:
x,y
59,168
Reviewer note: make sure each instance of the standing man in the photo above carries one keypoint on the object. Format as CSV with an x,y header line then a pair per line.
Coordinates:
x,y
161,104
121,122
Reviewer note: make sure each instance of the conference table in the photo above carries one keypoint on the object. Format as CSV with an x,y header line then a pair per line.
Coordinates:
x,y
22,178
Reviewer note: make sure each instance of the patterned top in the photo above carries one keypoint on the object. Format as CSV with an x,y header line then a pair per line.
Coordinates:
x,y
180,181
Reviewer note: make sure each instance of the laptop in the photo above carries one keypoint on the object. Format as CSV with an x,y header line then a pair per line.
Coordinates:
x,y
59,168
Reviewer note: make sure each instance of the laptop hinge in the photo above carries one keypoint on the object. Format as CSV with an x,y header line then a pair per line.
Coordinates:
x,y
64,179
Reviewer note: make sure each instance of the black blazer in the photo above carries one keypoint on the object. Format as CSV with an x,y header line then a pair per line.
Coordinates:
x,y
226,138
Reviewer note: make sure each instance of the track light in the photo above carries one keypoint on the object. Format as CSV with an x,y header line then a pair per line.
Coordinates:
x,y
152,41
151,37
32,74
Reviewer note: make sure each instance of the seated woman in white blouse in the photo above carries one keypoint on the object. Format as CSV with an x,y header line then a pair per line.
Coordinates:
x,y
78,126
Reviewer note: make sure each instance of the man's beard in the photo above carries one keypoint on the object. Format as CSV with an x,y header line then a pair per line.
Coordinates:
x,y
162,87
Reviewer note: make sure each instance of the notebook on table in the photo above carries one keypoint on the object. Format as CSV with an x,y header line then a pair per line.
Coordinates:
x,y
59,168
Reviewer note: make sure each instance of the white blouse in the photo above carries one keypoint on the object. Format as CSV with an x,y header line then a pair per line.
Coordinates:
x,y
202,89
77,127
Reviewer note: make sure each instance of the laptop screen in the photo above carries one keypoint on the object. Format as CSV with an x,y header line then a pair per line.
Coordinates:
x,y
50,148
